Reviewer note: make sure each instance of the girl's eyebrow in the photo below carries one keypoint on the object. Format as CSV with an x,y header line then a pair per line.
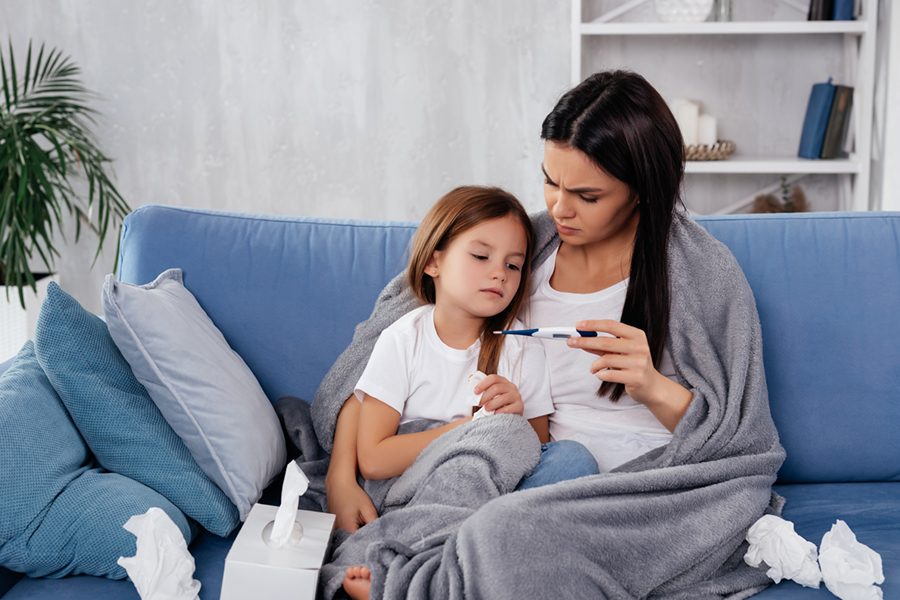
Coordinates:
x,y
486,245
581,190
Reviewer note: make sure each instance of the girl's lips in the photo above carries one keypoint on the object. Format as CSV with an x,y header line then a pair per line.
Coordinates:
x,y
494,291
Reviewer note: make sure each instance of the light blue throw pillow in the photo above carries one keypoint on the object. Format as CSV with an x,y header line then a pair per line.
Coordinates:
x,y
202,387
61,515
115,415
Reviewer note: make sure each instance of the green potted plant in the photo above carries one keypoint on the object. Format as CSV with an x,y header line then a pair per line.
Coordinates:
x,y
50,165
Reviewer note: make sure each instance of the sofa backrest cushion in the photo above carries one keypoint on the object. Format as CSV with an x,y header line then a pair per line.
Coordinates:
x,y
287,293
827,287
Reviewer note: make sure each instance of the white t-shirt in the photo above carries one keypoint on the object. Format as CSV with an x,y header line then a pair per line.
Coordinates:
x,y
614,432
418,375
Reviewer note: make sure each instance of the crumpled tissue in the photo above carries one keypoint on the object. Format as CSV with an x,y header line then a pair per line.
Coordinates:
x,y
474,379
161,568
788,555
850,569
285,525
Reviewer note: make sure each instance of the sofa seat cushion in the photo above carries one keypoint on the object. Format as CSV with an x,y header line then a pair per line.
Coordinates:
x,y
209,553
872,510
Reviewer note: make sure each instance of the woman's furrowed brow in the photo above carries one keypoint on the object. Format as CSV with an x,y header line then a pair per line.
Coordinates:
x,y
578,190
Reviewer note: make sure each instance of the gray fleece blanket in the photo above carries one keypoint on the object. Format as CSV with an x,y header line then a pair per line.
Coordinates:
x,y
668,524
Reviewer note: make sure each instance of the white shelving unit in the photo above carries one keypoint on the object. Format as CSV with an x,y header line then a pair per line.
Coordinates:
x,y
859,59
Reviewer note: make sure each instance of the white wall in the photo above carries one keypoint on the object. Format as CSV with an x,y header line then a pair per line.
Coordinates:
x,y
341,109
374,109
886,149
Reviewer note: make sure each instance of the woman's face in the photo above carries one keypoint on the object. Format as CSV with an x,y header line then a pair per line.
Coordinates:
x,y
587,204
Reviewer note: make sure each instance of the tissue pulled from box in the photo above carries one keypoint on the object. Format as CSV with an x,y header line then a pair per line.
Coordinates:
x,y
774,542
473,380
850,569
295,485
161,568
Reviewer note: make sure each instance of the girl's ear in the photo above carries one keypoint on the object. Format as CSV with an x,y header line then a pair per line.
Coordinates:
x,y
431,267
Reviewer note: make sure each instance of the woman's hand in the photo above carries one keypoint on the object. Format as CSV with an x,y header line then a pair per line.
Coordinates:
x,y
500,395
625,358
350,505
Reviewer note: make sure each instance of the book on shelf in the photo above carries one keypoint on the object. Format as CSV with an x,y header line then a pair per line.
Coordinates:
x,y
838,123
831,10
815,123
820,10
843,10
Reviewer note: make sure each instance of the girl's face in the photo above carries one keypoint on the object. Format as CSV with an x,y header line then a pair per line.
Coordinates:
x,y
587,204
478,273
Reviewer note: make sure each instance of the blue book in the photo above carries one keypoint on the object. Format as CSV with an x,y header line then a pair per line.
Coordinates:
x,y
843,10
818,110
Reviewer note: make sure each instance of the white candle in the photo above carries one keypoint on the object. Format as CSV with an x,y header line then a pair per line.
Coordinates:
x,y
687,115
706,130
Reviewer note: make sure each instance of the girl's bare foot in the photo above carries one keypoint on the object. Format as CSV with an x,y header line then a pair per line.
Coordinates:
x,y
357,582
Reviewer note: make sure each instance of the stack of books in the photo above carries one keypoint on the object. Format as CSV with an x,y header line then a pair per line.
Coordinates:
x,y
831,10
827,121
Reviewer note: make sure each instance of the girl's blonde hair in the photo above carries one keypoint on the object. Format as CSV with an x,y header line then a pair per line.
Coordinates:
x,y
456,212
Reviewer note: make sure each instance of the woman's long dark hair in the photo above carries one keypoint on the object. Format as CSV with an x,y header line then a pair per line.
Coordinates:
x,y
624,126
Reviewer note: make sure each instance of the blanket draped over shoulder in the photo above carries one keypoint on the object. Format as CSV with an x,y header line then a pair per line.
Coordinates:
x,y
668,524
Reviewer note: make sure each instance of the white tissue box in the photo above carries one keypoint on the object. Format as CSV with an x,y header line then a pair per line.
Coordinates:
x,y
254,570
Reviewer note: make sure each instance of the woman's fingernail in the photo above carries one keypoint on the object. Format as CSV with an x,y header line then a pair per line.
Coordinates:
x,y
571,341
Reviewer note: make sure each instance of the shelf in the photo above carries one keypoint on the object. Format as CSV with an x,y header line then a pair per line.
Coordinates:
x,y
768,165
730,28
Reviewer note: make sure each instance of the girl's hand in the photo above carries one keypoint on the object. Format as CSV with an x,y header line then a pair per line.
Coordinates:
x,y
350,505
624,358
500,395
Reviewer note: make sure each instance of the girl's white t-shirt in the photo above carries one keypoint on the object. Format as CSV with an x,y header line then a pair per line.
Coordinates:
x,y
614,432
418,375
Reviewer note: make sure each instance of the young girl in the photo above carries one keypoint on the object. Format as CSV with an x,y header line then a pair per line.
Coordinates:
x,y
469,264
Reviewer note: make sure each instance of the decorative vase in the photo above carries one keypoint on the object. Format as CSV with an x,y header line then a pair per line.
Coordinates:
x,y
683,11
722,10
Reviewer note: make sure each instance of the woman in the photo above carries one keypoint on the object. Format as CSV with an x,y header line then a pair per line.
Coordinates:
x,y
676,379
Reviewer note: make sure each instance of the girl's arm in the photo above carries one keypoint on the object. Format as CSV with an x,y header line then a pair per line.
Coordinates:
x,y
382,453
541,426
349,503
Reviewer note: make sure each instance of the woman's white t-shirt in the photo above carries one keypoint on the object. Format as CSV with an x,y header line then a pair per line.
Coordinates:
x,y
614,432
414,372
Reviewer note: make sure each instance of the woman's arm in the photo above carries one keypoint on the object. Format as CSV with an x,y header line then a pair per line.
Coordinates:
x,y
625,358
349,503
382,453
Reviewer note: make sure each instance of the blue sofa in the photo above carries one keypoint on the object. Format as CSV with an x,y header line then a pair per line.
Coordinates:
x,y
287,293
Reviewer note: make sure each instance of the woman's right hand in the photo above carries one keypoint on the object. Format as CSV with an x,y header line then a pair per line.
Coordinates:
x,y
350,505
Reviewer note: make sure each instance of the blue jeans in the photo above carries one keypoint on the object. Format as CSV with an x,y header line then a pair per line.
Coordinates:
x,y
560,461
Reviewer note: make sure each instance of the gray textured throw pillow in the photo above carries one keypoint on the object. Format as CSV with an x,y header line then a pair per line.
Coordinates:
x,y
205,391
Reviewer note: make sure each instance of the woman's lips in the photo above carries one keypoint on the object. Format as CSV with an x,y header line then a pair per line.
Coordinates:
x,y
562,229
